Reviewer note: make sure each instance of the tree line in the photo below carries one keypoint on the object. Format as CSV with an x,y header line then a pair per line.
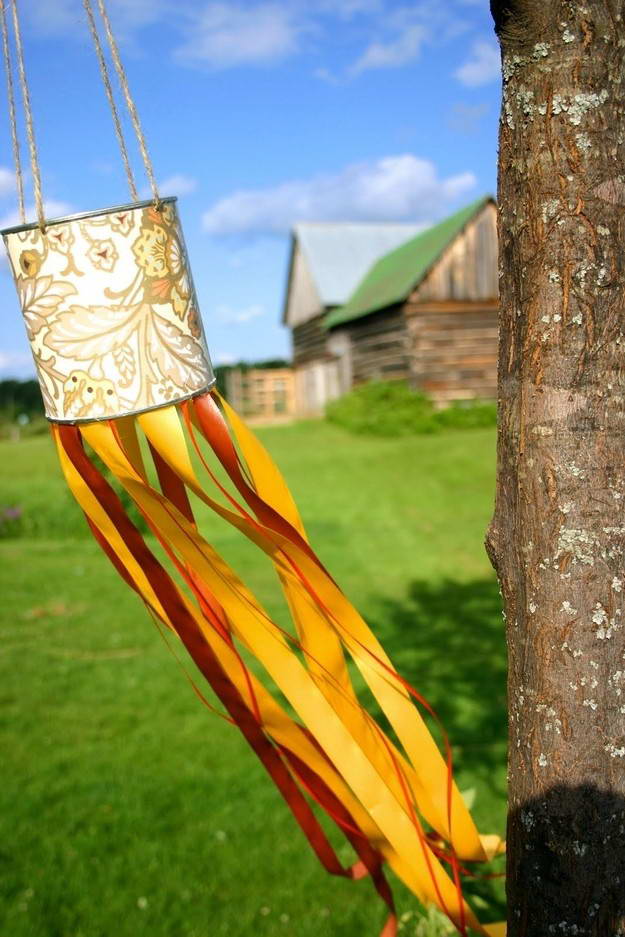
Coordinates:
x,y
18,397
24,396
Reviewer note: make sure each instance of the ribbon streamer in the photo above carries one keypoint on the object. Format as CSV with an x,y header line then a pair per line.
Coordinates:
x,y
398,807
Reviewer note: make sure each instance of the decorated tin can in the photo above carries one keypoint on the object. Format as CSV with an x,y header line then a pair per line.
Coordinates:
x,y
110,311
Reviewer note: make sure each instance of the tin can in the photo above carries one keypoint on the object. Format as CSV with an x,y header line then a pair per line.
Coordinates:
x,y
110,311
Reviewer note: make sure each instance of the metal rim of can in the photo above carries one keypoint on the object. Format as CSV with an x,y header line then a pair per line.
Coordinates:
x,y
31,226
156,406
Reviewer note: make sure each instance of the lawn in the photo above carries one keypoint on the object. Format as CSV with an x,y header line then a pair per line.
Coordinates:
x,y
126,808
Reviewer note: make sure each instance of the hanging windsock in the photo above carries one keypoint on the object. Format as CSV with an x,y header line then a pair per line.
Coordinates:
x,y
115,331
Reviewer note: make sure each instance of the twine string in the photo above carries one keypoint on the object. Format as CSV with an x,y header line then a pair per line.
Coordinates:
x,y
130,104
104,72
30,130
8,67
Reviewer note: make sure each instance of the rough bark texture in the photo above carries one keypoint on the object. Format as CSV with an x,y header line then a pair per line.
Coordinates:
x,y
557,539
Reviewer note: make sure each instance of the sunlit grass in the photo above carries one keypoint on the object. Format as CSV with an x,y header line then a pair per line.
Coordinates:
x,y
126,808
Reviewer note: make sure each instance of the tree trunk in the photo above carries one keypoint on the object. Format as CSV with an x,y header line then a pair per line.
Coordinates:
x,y
557,539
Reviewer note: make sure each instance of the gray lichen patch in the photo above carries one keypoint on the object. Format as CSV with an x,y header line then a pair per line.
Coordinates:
x,y
578,105
583,142
578,543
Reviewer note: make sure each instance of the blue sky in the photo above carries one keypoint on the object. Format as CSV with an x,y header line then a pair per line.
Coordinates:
x,y
257,115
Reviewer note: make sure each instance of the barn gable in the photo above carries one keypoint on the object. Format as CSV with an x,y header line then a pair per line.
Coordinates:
x,y
436,260
328,260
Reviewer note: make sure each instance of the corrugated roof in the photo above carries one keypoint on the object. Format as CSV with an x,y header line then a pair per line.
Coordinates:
x,y
393,277
339,254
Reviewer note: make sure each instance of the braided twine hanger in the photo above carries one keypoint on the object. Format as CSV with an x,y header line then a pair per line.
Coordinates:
x,y
27,109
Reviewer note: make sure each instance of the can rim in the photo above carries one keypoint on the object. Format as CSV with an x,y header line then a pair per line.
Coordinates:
x,y
31,226
157,406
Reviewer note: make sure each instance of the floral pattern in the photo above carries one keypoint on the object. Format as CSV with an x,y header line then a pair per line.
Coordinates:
x,y
160,253
110,313
103,255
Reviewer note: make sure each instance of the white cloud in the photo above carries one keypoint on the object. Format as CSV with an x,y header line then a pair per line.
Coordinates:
x,y
232,316
482,67
52,208
178,184
465,118
218,34
400,33
53,17
66,17
324,74
394,54
7,181
223,357
346,9
395,188
225,35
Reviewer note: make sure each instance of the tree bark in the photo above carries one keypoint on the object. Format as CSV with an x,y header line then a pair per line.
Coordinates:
x,y
557,539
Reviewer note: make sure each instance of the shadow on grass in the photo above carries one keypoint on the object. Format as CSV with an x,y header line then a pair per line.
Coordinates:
x,y
448,639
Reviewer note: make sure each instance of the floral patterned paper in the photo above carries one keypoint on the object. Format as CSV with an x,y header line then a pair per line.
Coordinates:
x,y
110,312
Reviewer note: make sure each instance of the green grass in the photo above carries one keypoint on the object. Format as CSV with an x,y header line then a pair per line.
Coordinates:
x,y
126,808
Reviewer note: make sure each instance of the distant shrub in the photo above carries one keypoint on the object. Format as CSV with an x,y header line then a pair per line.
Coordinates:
x,y
391,408
468,414
383,408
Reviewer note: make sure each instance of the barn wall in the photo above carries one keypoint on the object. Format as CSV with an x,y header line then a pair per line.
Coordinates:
x,y
303,301
310,341
379,347
453,349
322,363
468,268
316,384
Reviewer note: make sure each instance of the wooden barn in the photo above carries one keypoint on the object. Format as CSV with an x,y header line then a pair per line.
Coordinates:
x,y
424,311
327,262
427,311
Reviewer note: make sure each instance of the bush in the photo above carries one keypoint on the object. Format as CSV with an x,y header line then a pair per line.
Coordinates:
x,y
468,414
391,408
383,408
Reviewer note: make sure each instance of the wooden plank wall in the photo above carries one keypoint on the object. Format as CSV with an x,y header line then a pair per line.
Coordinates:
x,y
467,270
310,341
379,347
453,349
452,317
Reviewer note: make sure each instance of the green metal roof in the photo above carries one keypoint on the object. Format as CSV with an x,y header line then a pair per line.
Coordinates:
x,y
392,278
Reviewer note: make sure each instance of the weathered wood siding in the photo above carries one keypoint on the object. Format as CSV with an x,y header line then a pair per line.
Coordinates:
x,y
467,270
443,339
302,298
379,347
453,349
316,383
310,341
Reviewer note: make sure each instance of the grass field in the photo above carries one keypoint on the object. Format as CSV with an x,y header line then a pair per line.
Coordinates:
x,y
126,809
